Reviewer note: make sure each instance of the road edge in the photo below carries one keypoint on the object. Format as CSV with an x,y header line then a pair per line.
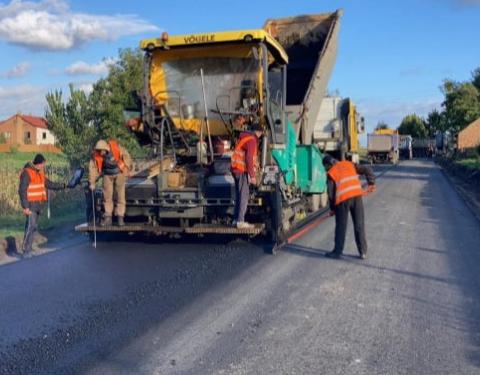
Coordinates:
x,y
470,203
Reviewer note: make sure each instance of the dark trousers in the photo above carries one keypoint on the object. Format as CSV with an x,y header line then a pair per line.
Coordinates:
x,y
355,207
242,194
30,229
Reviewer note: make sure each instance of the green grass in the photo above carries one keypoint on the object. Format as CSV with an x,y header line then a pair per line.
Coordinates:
x,y
67,207
13,225
473,163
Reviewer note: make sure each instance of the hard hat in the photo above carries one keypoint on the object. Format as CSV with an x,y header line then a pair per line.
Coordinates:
x,y
102,145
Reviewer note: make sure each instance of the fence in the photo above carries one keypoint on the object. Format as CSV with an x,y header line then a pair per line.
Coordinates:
x,y
59,200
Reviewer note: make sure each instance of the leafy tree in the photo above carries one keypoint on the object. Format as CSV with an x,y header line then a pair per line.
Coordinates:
x,y
111,95
476,78
413,125
84,119
435,123
462,104
382,125
71,123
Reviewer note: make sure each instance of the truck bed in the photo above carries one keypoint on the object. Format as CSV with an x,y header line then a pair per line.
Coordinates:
x,y
311,44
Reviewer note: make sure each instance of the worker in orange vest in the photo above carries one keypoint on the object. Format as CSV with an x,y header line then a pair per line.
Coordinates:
x,y
33,195
345,194
112,162
244,168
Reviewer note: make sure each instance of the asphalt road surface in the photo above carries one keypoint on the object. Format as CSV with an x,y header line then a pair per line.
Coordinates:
x,y
138,307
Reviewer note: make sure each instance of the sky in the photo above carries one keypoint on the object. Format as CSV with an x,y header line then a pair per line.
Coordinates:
x,y
392,55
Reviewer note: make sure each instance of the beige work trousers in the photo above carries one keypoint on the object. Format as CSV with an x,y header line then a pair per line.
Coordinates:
x,y
114,185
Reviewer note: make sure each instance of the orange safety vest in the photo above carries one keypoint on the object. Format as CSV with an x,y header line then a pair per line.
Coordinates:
x,y
347,182
36,191
238,158
116,155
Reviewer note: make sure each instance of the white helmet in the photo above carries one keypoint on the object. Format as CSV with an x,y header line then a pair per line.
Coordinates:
x,y
102,145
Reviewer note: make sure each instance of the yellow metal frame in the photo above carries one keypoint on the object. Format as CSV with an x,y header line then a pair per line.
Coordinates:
x,y
246,36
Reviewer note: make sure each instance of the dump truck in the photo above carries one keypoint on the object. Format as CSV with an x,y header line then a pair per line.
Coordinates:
x,y
383,148
195,86
405,147
337,127
423,147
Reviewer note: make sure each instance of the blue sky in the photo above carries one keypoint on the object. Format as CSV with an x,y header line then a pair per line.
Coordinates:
x,y
393,55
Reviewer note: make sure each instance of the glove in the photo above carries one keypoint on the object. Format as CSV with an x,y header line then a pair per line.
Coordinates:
x,y
371,189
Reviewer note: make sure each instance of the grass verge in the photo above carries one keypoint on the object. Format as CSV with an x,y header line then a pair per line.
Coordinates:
x,y
472,163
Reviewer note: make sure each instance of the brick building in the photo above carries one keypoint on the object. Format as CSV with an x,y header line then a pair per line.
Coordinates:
x,y
27,134
469,138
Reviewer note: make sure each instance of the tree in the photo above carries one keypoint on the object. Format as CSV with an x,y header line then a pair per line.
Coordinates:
x,y
462,104
111,95
435,123
84,119
382,125
71,122
413,125
476,78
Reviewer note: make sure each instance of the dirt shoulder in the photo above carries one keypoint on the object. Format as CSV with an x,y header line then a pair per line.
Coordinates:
x,y
46,240
466,181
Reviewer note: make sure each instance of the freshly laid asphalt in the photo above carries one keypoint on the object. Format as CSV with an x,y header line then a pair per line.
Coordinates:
x,y
206,307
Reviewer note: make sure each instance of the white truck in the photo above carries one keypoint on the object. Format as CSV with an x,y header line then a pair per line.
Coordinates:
x,y
337,127
383,148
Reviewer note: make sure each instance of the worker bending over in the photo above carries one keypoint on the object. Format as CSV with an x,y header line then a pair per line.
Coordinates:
x,y
112,162
345,195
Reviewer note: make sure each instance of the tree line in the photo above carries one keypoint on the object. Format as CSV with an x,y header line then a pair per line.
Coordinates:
x,y
460,107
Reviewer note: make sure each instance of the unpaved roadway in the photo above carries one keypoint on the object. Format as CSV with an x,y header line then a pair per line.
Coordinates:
x,y
413,307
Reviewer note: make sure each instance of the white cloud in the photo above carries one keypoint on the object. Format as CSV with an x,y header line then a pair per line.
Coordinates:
x,y
52,25
86,87
81,67
392,112
18,70
22,98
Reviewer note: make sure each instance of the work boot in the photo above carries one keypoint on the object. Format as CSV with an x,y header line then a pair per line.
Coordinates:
x,y
106,222
333,254
120,221
27,254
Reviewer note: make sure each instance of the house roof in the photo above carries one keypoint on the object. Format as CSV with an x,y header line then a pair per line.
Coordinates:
x,y
38,122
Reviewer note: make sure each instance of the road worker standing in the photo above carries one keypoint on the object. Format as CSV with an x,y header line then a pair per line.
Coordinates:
x,y
345,194
244,168
112,162
33,195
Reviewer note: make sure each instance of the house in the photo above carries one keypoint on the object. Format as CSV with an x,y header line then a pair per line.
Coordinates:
x,y
469,138
27,133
